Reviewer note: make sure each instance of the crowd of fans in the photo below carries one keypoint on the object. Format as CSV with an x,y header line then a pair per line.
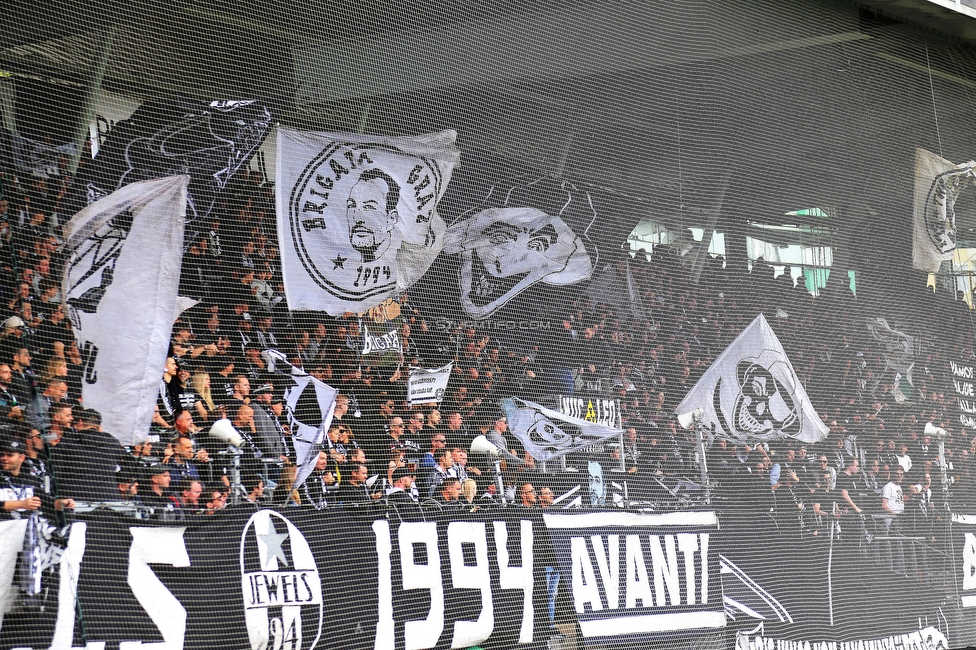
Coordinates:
x,y
380,449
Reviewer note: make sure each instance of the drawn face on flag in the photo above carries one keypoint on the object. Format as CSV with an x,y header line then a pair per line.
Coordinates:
x,y
353,208
760,402
507,250
371,213
91,266
210,142
598,490
548,436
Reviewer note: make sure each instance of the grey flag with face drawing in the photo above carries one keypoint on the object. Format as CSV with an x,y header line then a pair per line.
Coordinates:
x,y
547,434
751,392
519,238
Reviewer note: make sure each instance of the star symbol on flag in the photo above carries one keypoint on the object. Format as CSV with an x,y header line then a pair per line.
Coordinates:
x,y
273,539
339,261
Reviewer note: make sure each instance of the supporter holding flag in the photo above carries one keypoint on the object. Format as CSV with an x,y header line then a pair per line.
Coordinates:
x,y
309,404
86,458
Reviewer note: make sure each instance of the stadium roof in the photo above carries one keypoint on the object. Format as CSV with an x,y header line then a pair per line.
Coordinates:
x,y
704,111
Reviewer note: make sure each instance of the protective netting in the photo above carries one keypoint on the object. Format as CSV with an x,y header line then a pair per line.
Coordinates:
x,y
380,325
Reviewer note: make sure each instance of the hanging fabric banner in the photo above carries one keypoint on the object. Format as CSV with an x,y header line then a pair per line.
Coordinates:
x,y
428,385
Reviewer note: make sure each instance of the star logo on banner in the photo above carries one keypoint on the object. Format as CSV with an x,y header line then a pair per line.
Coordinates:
x,y
338,262
273,540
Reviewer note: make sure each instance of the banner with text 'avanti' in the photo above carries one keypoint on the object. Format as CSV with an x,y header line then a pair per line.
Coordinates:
x,y
635,576
498,579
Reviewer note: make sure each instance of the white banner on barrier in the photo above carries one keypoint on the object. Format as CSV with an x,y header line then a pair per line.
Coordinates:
x,y
428,385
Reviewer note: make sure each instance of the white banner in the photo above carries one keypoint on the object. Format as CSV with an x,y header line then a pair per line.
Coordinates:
x,y
547,434
389,341
121,276
926,638
310,405
592,409
938,183
751,392
357,214
428,385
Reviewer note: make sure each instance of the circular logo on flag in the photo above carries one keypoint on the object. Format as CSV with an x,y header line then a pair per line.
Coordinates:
x,y
940,208
762,407
280,584
353,208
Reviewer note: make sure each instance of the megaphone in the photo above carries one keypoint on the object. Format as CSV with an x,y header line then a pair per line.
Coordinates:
x,y
482,445
224,431
687,420
932,430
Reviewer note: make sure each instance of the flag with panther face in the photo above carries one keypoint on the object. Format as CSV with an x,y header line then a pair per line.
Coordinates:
x,y
751,392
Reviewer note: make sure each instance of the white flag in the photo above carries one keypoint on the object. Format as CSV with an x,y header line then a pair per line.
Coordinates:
x,y
357,214
504,251
120,281
547,434
309,404
899,348
938,183
387,342
751,392
428,385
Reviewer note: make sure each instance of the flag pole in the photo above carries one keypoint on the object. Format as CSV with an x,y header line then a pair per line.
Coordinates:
x,y
700,440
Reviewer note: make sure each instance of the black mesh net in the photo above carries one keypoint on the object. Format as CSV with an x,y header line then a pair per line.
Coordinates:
x,y
485,325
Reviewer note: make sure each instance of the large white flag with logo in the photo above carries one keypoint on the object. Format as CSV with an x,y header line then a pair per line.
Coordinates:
x,y
309,405
751,392
121,277
357,214
547,434
938,183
